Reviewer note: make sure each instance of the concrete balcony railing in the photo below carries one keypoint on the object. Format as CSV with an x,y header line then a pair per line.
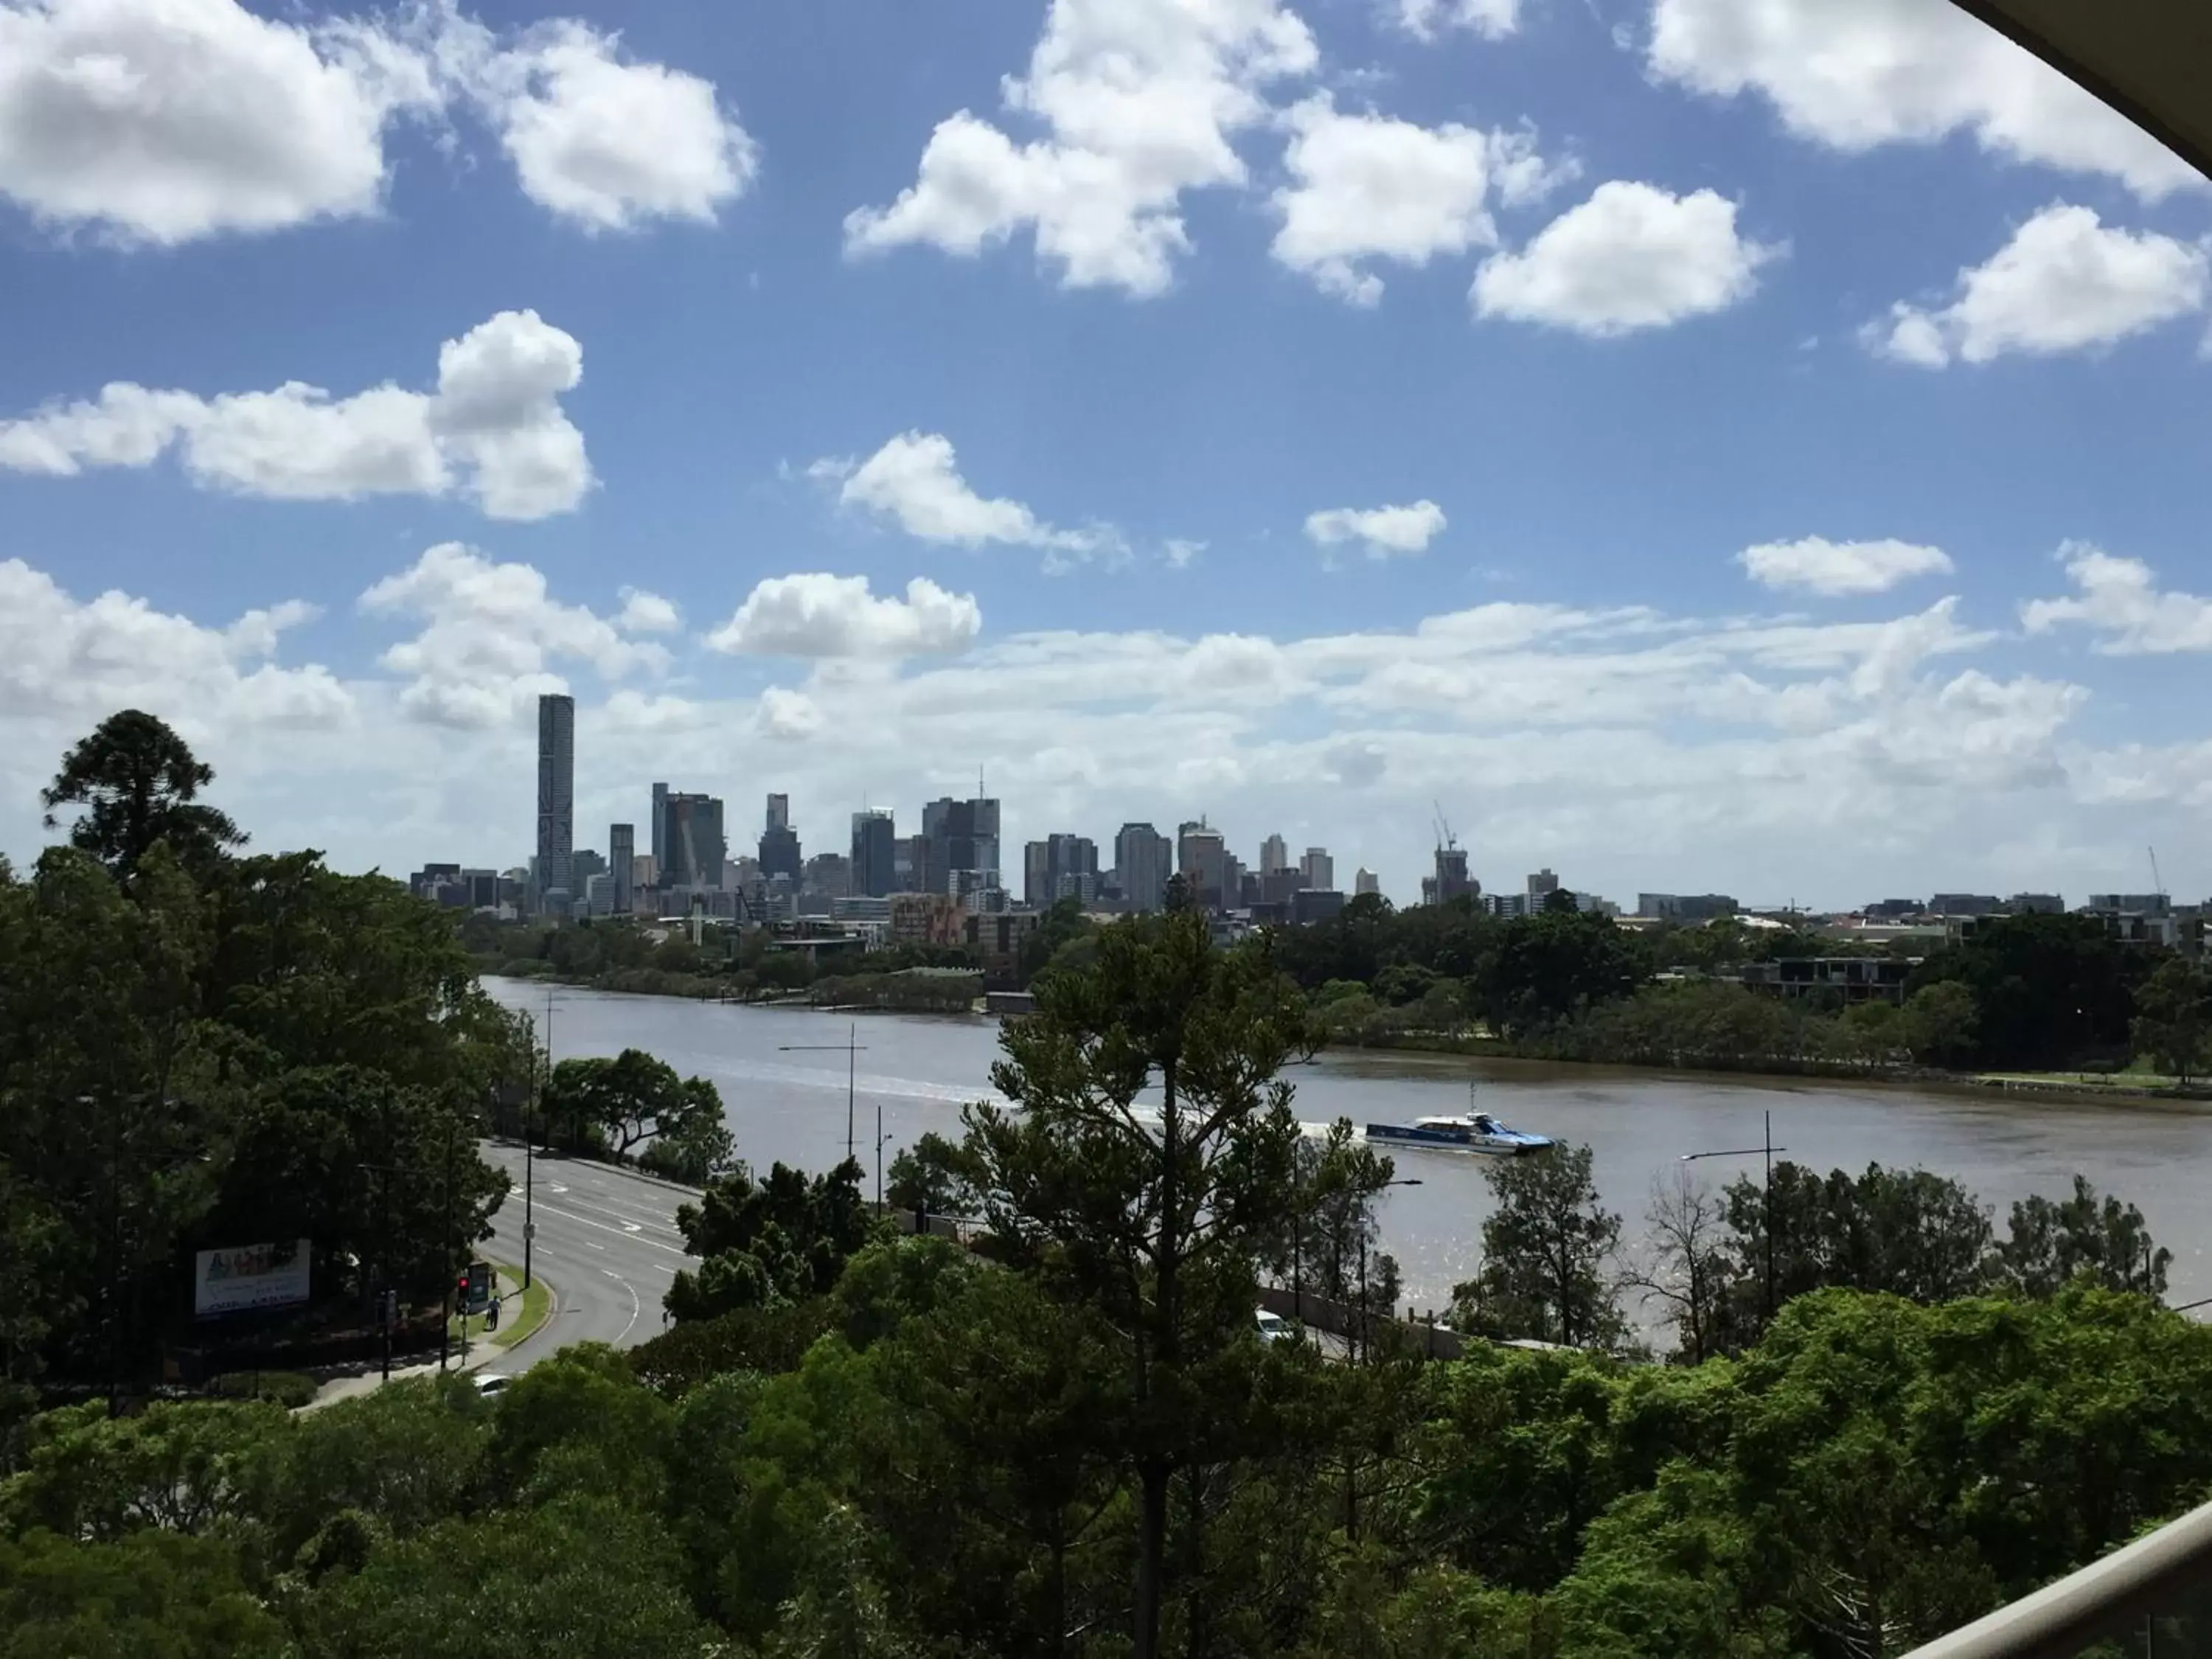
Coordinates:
x,y
2148,1599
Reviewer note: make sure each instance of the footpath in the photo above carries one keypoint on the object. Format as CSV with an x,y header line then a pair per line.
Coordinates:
x,y
523,1315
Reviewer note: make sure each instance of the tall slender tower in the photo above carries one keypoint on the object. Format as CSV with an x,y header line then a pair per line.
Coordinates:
x,y
556,797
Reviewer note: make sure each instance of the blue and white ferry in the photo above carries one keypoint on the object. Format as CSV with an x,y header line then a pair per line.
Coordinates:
x,y
1471,1131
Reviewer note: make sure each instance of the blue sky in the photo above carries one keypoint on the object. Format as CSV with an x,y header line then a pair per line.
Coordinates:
x,y
1703,443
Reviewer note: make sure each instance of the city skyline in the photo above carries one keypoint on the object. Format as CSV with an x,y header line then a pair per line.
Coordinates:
x,y
958,850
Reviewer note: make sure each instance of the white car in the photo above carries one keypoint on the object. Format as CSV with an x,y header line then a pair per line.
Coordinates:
x,y
491,1382
1273,1327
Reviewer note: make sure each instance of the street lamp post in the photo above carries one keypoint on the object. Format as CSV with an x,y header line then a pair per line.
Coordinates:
x,y
387,1300
1367,1313
851,1049
1766,1150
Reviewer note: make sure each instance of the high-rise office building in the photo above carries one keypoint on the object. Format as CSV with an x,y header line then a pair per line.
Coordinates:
x,y
692,841
1274,854
828,875
1199,860
1058,867
656,827
964,843
1366,882
910,871
621,863
779,842
1541,886
1142,861
557,800
875,855
1320,869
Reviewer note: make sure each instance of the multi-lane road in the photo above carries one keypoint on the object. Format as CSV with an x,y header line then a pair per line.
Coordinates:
x,y
606,1240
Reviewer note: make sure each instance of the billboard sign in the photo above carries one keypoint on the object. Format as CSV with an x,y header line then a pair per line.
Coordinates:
x,y
250,1276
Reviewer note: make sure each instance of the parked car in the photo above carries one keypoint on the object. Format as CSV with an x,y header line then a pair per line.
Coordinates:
x,y
491,1382
1273,1327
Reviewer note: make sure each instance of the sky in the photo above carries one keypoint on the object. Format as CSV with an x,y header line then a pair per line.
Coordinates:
x,y
1752,445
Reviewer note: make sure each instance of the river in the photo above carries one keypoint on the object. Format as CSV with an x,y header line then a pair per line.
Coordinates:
x,y
782,1073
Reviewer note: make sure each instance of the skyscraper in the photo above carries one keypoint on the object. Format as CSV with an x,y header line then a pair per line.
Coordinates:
x,y
657,828
779,842
964,843
1199,860
1320,869
1141,856
556,800
875,855
621,863
1366,882
691,835
1274,854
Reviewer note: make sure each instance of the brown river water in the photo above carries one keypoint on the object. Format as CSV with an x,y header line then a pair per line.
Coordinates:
x,y
782,1073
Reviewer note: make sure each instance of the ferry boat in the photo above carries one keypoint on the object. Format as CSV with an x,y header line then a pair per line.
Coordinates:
x,y
1475,1132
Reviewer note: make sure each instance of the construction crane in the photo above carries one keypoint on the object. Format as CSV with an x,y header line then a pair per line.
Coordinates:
x,y
1444,837
2157,881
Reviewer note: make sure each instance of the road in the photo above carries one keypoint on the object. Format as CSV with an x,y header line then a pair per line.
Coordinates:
x,y
606,1241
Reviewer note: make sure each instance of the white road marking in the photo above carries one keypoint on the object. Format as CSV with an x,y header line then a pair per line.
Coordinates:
x,y
634,1303
637,1238
595,1243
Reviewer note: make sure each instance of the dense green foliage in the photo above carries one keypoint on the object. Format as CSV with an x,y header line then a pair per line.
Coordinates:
x,y
605,1106
197,1050
939,1469
2021,992
1074,1441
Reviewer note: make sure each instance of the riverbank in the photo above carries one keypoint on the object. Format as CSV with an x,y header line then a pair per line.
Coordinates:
x,y
904,991
1499,1055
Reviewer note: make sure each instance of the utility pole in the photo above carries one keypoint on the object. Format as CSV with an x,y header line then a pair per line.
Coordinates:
x,y
1766,1150
851,1047
446,1325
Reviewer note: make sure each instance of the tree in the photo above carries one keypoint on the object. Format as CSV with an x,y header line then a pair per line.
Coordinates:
x,y
634,1097
931,1176
1547,1252
1903,1232
137,781
1941,1020
1688,1268
783,1238
1331,1229
2173,1026
145,1595
1552,966
2048,990
2053,1244
1156,1218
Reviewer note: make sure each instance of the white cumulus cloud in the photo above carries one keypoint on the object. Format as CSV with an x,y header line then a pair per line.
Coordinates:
x,y
494,429
65,658
915,480
161,121
1384,532
1834,568
783,715
815,614
2064,282
164,121
1493,20
491,636
603,142
1631,257
2121,599
1372,187
1138,105
645,612
1855,74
